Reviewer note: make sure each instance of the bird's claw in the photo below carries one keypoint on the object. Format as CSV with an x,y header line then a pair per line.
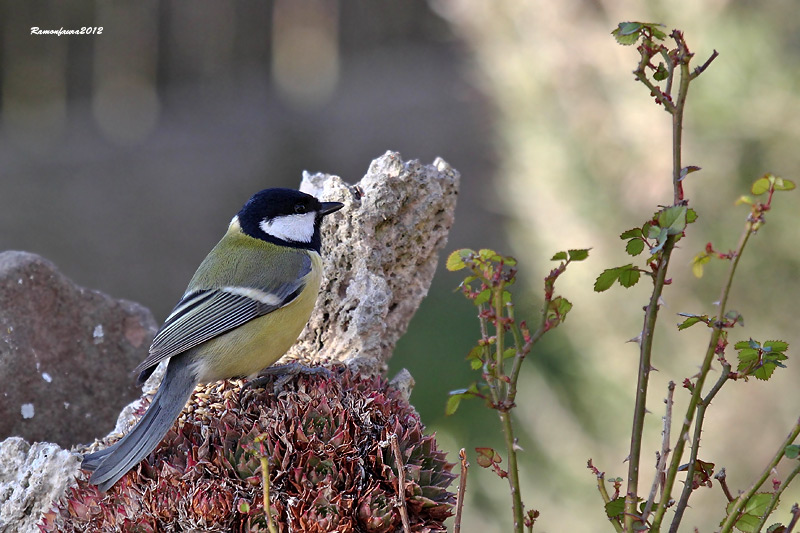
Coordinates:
x,y
284,373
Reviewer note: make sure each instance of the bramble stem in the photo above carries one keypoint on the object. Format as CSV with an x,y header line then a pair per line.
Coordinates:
x,y
505,390
513,471
723,483
795,518
651,314
640,409
490,382
497,301
495,309
661,466
699,70
677,454
601,486
739,502
698,430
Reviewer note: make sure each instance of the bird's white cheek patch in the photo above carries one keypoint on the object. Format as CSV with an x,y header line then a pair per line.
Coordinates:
x,y
296,228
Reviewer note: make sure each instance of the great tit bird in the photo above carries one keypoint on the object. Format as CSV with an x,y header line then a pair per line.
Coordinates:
x,y
245,306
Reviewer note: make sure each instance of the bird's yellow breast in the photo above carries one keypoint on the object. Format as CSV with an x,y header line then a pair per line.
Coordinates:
x,y
255,345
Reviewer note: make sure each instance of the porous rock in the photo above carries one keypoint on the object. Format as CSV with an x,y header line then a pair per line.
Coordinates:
x,y
379,253
55,339
31,477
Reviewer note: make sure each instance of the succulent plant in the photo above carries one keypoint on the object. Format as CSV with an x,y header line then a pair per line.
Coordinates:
x,y
331,468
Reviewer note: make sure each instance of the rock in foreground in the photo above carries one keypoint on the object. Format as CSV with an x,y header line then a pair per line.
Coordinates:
x,y
55,339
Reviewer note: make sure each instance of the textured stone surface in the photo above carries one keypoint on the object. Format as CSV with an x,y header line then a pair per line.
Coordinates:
x,y
380,254
31,476
58,341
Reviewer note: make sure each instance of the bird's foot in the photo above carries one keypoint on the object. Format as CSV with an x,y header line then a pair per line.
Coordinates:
x,y
283,373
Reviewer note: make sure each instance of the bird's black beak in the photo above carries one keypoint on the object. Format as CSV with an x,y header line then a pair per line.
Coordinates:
x,y
330,207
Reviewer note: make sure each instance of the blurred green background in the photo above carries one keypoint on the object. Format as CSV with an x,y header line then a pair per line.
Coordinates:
x,y
122,156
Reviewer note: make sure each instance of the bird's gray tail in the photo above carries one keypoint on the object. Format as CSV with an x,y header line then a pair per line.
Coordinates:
x,y
110,464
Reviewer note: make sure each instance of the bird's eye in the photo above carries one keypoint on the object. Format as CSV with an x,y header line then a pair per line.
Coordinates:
x,y
300,209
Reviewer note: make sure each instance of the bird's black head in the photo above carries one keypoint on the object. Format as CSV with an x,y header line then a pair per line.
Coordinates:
x,y
286,217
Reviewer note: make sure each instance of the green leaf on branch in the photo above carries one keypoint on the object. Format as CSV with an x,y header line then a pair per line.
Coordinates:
x,y
483,297
506,297
776,346
747,344
768,367
691,320
475,357
661,73
579,254
760,361
631,233
751,513
627,33
761,185
488,255
769,181
673,219
792,451
661,238
557,310
691,216
455,261
628,278
697,263
615,507
634,247
657,34
734,317
453,401
627,275
651,231
747,357
606,279
455,397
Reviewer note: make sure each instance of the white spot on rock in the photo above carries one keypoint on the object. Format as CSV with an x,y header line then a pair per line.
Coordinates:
x,y
98,334
47,377
27,410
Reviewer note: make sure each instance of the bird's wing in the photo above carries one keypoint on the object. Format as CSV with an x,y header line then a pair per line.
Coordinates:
x,y
204,314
